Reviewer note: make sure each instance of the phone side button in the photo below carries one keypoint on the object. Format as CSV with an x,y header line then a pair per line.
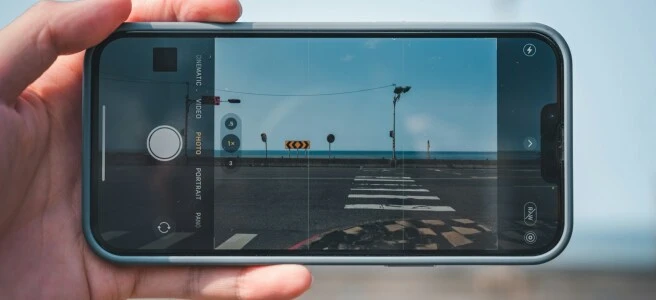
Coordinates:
x,y
410,265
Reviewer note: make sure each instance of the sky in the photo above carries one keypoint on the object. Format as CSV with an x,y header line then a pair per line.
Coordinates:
x,y
613,73
614,69
452,100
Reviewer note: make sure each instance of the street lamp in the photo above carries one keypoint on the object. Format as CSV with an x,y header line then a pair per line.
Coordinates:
x,y
397,96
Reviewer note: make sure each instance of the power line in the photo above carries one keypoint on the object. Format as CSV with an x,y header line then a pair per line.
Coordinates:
x,y
144,80
308,95
140,80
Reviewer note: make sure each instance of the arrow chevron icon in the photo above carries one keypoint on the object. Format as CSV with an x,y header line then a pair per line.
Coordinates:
x,y
297,144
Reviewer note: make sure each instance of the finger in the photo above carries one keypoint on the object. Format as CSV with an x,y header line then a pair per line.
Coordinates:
x,y
152,11
33,41
185,10
270,282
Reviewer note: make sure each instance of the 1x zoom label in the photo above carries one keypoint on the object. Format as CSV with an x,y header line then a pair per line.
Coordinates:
x,y
230,143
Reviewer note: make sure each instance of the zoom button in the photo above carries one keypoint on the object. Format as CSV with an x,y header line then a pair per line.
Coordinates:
x,y
230,143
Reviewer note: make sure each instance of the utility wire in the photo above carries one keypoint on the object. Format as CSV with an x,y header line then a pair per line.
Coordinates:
x,y
144,80
140,80
308,95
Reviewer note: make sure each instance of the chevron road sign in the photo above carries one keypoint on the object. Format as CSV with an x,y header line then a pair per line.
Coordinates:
x,y
297,144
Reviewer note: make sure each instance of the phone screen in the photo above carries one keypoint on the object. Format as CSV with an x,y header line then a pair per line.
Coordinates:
x,y
333,144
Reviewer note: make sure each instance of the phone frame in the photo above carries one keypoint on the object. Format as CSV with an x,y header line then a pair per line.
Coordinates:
x,y
455,28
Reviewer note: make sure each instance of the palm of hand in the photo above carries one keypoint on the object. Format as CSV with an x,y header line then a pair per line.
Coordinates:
x,y
41,173
43,252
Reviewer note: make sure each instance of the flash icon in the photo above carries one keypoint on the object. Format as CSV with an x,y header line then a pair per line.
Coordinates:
x,y
529,50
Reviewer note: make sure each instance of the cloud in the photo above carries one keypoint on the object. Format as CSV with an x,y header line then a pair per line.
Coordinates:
x,y
417,124
444,136
347,58
419,127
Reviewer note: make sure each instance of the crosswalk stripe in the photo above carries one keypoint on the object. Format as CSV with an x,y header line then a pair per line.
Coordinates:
x,y
352,196
236,241
384,177
390,190
110,235
386,184
391,184
399,207
167,240
384,180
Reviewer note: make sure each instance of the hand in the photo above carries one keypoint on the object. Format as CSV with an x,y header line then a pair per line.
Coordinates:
x,y
43,252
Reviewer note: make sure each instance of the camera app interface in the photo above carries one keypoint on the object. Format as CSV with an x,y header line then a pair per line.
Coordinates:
x,y
327,145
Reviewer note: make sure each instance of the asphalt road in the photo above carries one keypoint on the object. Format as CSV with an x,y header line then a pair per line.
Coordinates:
x,y
292,207
278,208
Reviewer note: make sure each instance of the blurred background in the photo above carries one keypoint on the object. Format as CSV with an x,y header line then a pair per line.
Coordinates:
x,y
612,253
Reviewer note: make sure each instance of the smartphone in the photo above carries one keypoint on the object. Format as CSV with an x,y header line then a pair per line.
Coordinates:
x,y
360,143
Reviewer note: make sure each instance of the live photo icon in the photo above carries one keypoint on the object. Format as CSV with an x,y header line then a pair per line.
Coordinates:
x,y
165,59
530,213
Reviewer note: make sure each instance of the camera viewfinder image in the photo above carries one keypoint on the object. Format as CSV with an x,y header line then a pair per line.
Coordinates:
x,y
322,145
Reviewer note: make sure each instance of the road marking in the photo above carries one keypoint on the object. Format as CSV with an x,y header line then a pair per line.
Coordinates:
x,y
356,179
384,177
399,207
353,196
388,180
484,177
456,239
465,230
236,241
391,190
167,240
282,178
386,184
484,227
110,235
465,221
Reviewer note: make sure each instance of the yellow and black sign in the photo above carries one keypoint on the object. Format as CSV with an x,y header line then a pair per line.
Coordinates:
x,y
297,144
